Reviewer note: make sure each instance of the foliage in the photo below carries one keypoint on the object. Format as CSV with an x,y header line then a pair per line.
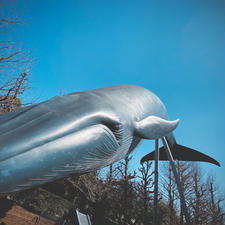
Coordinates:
x,y
44,203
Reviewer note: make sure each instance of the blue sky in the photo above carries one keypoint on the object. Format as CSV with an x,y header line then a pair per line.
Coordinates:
x,y
174,48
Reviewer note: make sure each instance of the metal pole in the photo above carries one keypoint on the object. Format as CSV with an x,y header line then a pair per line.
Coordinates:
x,y
180,189
155,215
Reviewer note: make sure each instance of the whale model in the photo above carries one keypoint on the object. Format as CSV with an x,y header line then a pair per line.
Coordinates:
x,y
81,132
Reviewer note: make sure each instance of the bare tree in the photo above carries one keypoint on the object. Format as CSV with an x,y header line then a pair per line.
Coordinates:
x,y
185,172
125,192
198,200
169,192
15,63
10,100
144,192
214,209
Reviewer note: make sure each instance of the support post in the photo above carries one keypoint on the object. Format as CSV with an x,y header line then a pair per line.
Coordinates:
x,y
177,179
156,177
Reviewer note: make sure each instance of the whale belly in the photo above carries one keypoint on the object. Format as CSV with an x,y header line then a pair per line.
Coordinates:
x,y
89,149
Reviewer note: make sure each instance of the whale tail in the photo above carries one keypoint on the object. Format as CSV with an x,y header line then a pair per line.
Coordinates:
x,y
181,153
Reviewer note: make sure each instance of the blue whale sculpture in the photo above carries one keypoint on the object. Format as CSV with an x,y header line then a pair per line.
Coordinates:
x,y
81,132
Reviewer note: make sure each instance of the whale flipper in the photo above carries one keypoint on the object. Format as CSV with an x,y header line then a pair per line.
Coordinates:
x,y
153,127
181,153
59,158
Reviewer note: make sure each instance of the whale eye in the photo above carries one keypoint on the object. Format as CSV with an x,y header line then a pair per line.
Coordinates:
x,y
117,130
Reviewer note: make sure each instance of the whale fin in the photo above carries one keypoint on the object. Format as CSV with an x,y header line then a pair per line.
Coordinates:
x,y
181,153
153,127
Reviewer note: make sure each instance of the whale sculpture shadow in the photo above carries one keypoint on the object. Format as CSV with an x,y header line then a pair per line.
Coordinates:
x,y
82,132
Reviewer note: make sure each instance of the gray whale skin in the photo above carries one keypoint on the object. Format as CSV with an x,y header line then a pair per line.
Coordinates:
x,y
81,132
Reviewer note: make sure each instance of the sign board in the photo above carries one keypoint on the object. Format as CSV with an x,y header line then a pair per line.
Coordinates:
x,y
83,219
